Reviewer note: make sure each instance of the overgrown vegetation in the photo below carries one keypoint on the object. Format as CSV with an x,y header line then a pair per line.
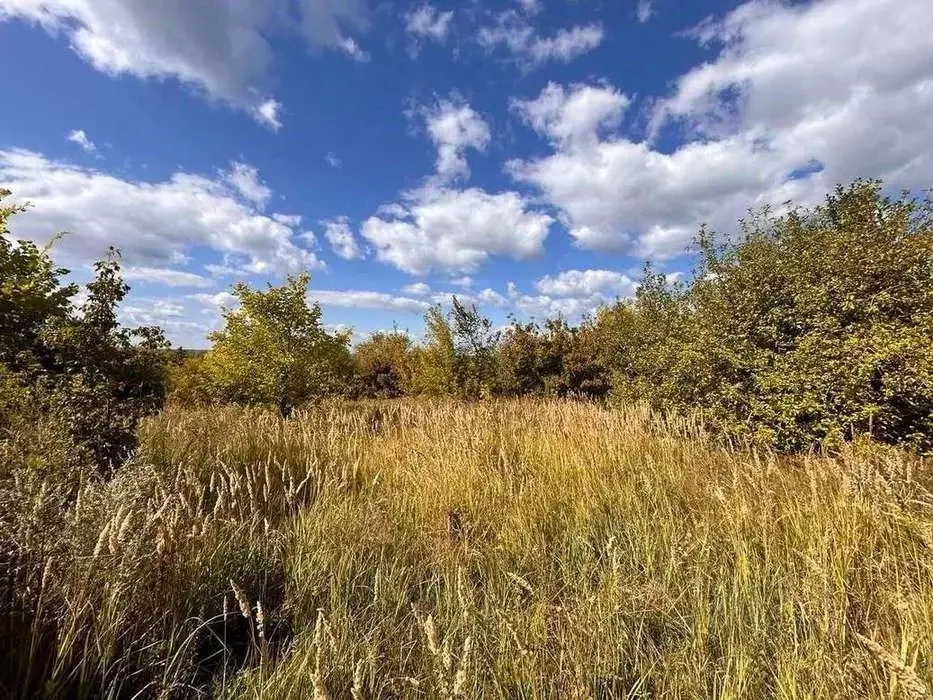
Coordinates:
x,y
73,383
491,549
725,520
799,333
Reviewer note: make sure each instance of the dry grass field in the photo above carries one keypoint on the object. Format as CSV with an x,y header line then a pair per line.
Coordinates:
x,y
514,549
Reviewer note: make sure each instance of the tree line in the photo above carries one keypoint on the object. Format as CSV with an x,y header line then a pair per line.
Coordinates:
x,y
798,331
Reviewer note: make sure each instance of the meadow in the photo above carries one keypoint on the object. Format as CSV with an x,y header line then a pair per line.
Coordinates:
x,y
518,548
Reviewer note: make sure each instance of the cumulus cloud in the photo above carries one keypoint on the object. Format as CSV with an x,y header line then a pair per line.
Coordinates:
x,y
492,298
571,294
543,306
464,281
154,223
454,127
222,49
513,31
79,137
267,113
586,283
164,275
427,22
244,178
798,99
364,299
340,236
215,302
574,116
418,289
441,228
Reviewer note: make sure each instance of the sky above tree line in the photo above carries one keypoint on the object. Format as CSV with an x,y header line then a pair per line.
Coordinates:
x,y
526,155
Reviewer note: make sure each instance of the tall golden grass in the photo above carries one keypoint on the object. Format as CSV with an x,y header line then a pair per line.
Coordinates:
x,y
498,549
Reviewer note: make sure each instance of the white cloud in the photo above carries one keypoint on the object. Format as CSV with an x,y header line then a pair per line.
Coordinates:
x,y
152,312
350,47
220,270
166,276
797,99
418,289
438,226
79,137
153,223
363,299
571,295
340,236
267,113
442,228
586,283
453,127
513,31
492,298
245,180
576,116
215,302
543,306
333,161
644,10
465,281
220,48
427,22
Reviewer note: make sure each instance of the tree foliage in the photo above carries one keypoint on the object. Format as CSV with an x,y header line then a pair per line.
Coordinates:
x,y
435,363
382,365
274,349
805,330
77,367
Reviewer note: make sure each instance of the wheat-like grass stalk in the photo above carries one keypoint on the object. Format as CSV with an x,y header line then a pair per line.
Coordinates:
x,y
912,684
246,609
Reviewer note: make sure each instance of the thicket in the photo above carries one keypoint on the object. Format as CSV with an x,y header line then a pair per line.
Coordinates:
x,y
74,383
799,332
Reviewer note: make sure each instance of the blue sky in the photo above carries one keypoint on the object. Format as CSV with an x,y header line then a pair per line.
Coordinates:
x,y
529,155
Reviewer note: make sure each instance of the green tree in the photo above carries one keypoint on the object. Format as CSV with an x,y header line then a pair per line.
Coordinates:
x,y
803,330
435,363
820,322
475,350
31,293
76,368
520,352
105,377
274,350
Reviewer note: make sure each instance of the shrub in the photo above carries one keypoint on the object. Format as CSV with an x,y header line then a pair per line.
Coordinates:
x,y
189,382
810,328
77,366
382,365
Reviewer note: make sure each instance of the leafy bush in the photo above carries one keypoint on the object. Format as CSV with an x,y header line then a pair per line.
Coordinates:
x,y
189,381
810,328
556,360
274,350
435,363
76,365
382,365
